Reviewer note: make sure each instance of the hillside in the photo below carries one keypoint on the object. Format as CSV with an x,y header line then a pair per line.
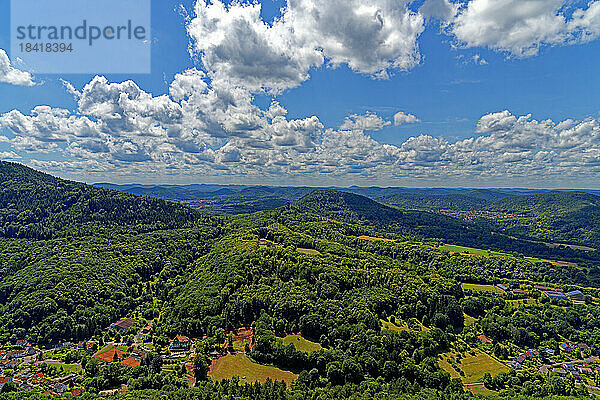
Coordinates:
x,y
565,217
354,209
37,205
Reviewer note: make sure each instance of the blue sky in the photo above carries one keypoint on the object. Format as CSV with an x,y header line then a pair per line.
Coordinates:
x,y
456,83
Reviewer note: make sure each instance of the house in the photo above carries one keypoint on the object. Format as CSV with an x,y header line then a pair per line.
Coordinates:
x,y
569,367
555,295
77,391
583,347
146,330
534,353
123,325
575,295
502,287
550,352
60,388
484,339
560,372
63,346
520,359
528,355
180,343
564,347
516,365
21,343
4,379
585,370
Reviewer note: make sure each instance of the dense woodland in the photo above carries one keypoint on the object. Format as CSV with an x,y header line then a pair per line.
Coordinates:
x,y
74,258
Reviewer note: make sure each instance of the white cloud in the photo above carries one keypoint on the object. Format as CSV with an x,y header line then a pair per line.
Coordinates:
x,y
240,49
522,27
367,122
404,118
10,74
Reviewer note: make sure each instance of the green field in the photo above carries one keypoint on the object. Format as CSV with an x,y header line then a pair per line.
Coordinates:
x,y
474,367
301,343
386,325
249,371
471,250
481,288
309,252
469,320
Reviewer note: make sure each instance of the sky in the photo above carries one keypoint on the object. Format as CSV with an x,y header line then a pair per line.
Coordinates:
x,y
428,93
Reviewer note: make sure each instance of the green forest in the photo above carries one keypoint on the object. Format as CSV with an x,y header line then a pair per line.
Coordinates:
x,y
392,314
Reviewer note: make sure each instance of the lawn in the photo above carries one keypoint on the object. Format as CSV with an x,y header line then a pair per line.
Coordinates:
x,y
249,371
301,344
474,367
397,327
481,288
68,368
309,252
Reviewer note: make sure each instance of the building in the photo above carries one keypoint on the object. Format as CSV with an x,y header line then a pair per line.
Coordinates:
x,y
21,343
560,372
146,330
516,365
575,295
550,352
584,348
123,325
502,287
180,343
555,295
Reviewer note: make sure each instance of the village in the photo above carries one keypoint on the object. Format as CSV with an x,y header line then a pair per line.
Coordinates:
x,y
57,370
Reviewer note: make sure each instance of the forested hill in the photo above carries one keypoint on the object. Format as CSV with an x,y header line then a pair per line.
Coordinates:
x,y
571,217
346,206
353,208
37,205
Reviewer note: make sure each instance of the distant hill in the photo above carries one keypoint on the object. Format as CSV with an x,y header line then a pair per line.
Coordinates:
x,y
567,217
37,205
435,202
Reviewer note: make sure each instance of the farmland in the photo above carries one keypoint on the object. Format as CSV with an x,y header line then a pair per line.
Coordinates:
x,y
248,371
473,366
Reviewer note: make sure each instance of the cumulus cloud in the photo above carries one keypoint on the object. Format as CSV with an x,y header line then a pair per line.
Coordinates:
x,y
238,48
404,118
11,75
367,122
521,27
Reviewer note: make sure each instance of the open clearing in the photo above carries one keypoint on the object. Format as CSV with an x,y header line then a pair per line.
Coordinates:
x,y
472,251
374,239
309,252
469,320
386,325
481,288
249,371
474,367
301,343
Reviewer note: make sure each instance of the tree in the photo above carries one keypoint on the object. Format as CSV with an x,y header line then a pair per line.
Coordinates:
x,y
201,364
